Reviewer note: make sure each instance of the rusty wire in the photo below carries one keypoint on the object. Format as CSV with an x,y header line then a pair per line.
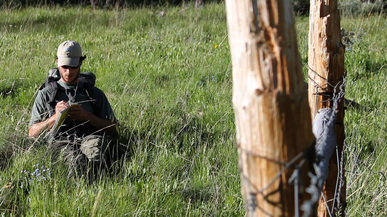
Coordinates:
x,y
317,178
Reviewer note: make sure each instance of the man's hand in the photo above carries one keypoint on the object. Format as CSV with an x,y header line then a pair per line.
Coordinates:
x,y
77,113
60,106
38,128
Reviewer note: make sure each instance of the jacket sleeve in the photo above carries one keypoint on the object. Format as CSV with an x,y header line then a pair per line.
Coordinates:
x,y
39,111
103,107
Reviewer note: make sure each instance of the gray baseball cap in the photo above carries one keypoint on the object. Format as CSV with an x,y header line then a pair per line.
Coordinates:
x,y
69,54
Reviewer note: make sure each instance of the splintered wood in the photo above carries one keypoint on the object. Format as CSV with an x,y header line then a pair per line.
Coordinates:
x,y
326,71
272,114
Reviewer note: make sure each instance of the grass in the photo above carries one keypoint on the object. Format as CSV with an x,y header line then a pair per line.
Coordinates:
x,y
168,78
366,131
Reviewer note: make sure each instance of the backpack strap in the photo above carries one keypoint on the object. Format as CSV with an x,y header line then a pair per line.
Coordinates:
x,y
50,83
89,91
88,80
53,89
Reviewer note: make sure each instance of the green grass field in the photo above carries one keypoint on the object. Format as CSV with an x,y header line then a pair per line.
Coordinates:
x,y
168,78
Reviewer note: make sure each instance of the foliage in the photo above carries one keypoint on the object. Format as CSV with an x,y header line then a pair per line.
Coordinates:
x,y
365,128
168,77
366,68
361,7
167,74
301,7
108,4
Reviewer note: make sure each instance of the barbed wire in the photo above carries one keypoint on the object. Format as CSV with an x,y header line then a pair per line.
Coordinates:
x,y
326,144
323,148
295,178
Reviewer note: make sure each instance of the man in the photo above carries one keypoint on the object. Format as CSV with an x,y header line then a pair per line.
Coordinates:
x,y
89,117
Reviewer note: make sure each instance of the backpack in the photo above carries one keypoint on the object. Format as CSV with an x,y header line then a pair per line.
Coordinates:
x,y
88,78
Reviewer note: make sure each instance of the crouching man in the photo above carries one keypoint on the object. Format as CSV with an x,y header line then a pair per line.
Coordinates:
x,y
74,115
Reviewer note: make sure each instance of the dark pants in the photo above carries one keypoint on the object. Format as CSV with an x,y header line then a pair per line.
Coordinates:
x,y
90,156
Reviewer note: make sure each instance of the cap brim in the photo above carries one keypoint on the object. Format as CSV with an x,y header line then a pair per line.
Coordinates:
x,y
65,61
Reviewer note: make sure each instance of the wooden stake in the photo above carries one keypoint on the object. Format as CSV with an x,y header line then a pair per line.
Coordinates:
x,y
326,70
272,115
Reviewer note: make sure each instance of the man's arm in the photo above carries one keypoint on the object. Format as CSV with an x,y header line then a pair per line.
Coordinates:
x,y
40,127
36,129
106,125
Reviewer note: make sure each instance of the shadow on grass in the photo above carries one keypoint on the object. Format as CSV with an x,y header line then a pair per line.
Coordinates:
x,y
199,194
5,156
44,22
9,90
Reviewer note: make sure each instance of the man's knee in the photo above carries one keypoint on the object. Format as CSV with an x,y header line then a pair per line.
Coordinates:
x,y
94,147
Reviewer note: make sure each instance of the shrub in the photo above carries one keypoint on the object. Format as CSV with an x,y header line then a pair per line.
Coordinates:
x,y
301,7
96,3
361,7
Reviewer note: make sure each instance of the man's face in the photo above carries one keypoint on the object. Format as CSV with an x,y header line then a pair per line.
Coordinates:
x,y
69,75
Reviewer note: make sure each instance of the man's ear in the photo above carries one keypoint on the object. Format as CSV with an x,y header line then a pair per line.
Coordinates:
x,y
81,60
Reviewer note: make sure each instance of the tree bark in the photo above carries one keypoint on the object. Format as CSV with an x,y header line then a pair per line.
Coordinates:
x,y
326,71
94,3
272,115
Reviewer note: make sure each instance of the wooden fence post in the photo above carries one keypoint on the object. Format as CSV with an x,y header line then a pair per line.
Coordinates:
x,y
272,114
326,70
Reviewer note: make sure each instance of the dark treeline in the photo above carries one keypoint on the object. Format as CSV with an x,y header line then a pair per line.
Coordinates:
x,y
301,7
98,3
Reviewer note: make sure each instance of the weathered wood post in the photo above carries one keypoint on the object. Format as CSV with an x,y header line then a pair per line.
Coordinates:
x,y
272,114
326,70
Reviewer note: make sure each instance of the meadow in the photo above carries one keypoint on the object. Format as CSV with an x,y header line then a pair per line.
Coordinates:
x,y
167,74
